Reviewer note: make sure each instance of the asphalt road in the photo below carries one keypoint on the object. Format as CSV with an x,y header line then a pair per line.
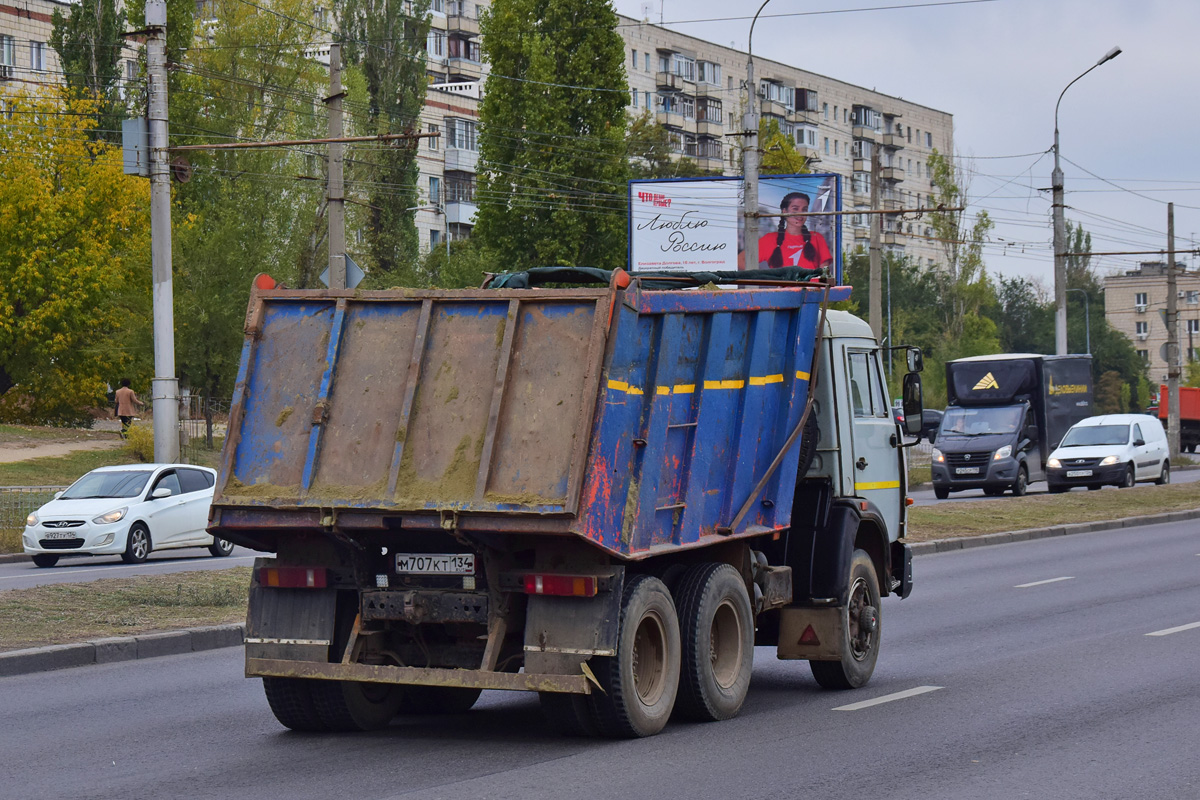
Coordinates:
x,y
1047,669
23,574
925,497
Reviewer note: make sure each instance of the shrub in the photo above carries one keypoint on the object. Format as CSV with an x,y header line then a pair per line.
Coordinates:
x,y
139,443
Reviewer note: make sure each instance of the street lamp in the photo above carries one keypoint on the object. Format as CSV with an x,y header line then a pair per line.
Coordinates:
x,y
1060,224
750,153
1087,318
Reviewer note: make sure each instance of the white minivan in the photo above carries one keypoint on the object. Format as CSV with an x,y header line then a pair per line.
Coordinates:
x,y
1116,449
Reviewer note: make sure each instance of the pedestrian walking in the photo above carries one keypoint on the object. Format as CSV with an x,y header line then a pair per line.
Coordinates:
x,y
127,405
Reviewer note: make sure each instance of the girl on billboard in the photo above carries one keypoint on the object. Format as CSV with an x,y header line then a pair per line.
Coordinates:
x,y
794,245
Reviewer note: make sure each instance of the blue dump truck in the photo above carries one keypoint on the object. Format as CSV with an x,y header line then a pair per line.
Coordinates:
x,y
605,494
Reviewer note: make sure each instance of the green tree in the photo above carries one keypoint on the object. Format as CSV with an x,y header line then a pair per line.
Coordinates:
x,y
779,151
966,284
385,40
89,43
74,232
651,155
552,148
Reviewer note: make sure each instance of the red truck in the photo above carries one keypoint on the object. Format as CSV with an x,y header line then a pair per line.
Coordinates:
x,y
1189,416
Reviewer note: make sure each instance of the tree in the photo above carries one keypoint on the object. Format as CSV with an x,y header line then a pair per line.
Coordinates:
x,y
967,287
89,43
74,242
779,151
552,171
651,154
386,40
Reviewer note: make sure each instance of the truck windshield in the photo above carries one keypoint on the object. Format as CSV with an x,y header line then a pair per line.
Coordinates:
x,y
1096,434
980,421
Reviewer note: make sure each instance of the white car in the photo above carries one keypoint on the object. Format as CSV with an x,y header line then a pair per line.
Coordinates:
x,y
1116,449
127,511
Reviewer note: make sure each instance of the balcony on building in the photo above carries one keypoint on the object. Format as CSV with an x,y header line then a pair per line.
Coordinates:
x,y
708,152
894,174
459,159
867,123
865,133
892,140
462,17
892,204
460,201
463,59
892,238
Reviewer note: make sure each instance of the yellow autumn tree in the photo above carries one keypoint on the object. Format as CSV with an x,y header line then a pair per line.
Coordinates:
x,y
74,260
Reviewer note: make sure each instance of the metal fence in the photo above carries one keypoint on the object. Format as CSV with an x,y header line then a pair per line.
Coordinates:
x,y
18,502
202,425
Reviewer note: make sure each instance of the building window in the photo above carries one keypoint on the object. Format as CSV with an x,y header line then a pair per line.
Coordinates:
x,y
860,183
1144,355
433,140
647,62
1142,328
646,99
835,113
908,134
806,136
635,59
435,190
825,109
708,72
826,145
466,49
1140,300
866,117
436,46
689,107
37,56
835,145
8,56
434,238
635,104
1193,326
1193,298
928,139
460,133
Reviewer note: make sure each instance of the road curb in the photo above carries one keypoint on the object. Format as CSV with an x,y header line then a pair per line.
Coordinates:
x,y
116,649
985,539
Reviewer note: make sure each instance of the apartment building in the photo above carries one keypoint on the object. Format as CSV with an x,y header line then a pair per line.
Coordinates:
x,y
26,58
696,89
1136,304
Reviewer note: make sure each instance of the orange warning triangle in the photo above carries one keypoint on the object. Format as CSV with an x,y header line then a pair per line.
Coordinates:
x,y
809,636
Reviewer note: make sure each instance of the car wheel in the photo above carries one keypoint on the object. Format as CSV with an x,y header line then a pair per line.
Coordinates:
x,y
45,560
137,544
1127,480
941,493
220,547
1165,475
1021,483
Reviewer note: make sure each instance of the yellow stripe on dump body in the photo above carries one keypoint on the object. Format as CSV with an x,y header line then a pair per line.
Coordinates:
x,y
724,384
802,376
866,487
764,380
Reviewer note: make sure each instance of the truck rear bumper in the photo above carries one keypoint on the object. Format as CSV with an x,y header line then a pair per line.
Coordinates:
x,y
419,676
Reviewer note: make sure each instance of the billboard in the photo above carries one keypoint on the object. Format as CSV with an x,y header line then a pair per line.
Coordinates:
x,y
695,225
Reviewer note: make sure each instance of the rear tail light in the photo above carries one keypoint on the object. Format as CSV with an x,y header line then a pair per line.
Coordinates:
x,y
562,585
294,577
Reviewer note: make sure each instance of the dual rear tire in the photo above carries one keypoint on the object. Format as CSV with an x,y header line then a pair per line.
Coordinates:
x,y
320,705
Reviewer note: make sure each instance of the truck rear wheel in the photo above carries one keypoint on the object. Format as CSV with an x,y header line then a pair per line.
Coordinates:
x,y
355,706
717,633
640,682
569,714
292,704
861,623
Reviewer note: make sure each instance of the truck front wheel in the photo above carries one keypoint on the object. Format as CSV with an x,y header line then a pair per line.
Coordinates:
x,y
640,682
861,625
717,633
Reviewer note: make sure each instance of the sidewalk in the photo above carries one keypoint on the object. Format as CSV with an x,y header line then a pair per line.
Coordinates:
x,y
192,640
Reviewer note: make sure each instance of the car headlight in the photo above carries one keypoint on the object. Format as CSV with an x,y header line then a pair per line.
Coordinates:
x,y
938,457
31,520
1054,463
1108,462
1003,452
111,517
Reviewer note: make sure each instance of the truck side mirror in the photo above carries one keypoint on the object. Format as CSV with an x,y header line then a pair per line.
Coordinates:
x,y
916,361
913,402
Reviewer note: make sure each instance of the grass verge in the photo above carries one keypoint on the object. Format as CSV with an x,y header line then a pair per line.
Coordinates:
x,y
948,520
60,470
25,434
77,612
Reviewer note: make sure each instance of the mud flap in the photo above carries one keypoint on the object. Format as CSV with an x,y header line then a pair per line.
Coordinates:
x,y
290,624
563,632
812,634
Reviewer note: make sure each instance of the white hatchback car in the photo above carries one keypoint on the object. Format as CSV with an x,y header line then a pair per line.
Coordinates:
x,y
127,511
1113,449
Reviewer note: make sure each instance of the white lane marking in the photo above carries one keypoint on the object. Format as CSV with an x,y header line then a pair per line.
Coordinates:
x,y
1042,583
1169,631
92,570
887,698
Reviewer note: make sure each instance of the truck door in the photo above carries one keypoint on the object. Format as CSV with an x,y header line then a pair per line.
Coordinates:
x,y
874,457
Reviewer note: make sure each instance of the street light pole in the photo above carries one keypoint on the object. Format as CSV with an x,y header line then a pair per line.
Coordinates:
x,y
750,151
1087,318
1060,224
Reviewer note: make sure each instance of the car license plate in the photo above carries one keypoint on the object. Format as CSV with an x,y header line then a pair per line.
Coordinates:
x,y
59,535
1079,473
435,563
966,471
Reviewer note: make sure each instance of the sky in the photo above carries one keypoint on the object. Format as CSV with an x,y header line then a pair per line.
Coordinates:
x,y
998,66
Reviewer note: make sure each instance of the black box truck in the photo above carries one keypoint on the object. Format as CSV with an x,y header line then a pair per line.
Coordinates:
x,y
1006,413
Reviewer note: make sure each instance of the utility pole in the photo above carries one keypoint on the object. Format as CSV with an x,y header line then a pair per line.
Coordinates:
x,y
874,293
1172,342
164,390
335,195
750,152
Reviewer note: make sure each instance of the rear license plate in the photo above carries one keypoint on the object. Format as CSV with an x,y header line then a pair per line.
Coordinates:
x,y
966,471
59,535
435,563
1079,473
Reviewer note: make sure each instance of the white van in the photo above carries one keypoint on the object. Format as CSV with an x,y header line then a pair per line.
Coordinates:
x,y
1116,449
